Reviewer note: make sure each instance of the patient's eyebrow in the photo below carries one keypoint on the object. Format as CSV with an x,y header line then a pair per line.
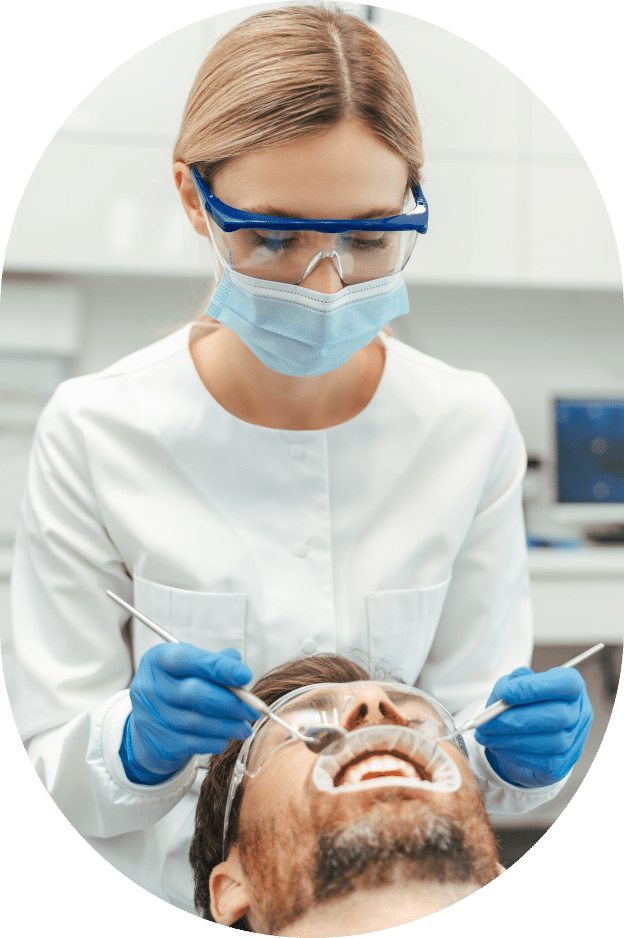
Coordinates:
x,y
319,700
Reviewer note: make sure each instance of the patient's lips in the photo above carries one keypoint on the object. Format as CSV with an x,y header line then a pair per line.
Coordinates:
x,y
377,766
382,755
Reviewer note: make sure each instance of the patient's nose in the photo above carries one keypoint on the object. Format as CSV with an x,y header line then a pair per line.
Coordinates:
x,y
371,706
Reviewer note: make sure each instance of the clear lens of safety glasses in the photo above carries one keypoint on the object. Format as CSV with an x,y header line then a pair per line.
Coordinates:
x,y
289,256
286,250
328,705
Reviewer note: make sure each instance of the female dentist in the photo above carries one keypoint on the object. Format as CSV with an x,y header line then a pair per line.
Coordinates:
x,y
279,479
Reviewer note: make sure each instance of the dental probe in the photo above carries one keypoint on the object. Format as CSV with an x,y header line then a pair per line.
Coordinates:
x,y
322,737
500,706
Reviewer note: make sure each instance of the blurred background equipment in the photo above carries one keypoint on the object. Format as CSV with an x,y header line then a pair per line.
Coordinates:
x,y
589,459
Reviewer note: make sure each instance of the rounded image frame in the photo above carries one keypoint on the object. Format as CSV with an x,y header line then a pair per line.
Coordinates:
x,y
52,879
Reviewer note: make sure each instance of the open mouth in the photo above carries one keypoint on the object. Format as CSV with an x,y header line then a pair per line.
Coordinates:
x,y
379,765
377,756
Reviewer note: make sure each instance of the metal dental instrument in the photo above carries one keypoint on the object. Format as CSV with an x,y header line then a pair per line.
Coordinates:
x,y
500,706
320,736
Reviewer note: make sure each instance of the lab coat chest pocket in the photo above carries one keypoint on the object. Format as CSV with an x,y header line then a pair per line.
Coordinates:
x,y
212,621
401,626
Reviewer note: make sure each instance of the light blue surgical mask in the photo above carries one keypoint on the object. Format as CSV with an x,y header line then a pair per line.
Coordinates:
x,y
300,332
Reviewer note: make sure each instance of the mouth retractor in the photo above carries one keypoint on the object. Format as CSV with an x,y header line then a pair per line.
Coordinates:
x,y
403,742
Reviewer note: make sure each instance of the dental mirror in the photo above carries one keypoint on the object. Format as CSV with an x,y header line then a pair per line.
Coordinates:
x,y
318,738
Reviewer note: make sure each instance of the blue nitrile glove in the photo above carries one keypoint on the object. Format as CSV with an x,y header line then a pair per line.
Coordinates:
x,y
180,707
539,739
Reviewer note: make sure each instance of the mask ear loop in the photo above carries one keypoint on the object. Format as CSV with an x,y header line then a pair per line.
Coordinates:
x,y
217,257
218,260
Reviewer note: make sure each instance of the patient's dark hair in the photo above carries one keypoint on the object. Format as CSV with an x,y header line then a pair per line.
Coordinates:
x,y
207,842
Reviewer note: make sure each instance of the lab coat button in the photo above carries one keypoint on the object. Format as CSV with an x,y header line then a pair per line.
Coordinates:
x,y
308,646
300,550
296,451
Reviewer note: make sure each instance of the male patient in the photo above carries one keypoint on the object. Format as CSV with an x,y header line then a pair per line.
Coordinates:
x,y
383,827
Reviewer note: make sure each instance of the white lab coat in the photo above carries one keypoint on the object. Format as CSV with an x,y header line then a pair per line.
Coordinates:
x,y
398,533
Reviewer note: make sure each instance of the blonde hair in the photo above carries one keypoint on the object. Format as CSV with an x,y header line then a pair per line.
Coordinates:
x,y
294,72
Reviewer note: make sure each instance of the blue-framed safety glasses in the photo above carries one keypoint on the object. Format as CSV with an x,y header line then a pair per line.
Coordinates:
x,y
285,250
328,705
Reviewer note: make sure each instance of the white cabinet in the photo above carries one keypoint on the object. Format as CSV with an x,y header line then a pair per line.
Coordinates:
x,y
578,596
511,198
580,249
472,235
512,201
467,102
109,206
146,94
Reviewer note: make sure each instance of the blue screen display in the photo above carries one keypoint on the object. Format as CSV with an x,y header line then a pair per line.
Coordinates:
x,y
589,449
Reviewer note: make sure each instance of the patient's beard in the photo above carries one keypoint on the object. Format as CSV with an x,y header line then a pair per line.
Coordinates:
x,y
306,858
401,841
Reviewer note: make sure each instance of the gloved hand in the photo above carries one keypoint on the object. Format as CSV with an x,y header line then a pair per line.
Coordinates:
x,y
540,738
180,707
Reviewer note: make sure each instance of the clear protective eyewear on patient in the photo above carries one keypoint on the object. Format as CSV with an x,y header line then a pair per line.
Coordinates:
x,y
327,705
286,249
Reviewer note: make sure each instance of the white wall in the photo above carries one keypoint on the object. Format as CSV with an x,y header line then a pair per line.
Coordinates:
x,y
531,342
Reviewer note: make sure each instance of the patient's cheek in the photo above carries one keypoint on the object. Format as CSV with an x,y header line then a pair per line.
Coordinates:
x,y
282,783
290,781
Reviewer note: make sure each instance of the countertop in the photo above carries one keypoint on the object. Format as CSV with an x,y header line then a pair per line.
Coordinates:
x,y
582,562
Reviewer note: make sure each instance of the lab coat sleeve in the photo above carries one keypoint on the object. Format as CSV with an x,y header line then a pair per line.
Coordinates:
x,y
486,627
499,796
80,766
71,655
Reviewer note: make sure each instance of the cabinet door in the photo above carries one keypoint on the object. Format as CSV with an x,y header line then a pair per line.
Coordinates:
x,y
111,207
567,610
569,236
472,235
145,96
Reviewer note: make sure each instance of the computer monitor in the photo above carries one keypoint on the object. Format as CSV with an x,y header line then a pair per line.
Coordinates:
x,y
588,459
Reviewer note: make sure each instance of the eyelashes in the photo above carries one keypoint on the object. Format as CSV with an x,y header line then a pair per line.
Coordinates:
x,y
279,244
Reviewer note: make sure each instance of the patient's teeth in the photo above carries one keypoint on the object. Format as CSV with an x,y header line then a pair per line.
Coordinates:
x,y
378,765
